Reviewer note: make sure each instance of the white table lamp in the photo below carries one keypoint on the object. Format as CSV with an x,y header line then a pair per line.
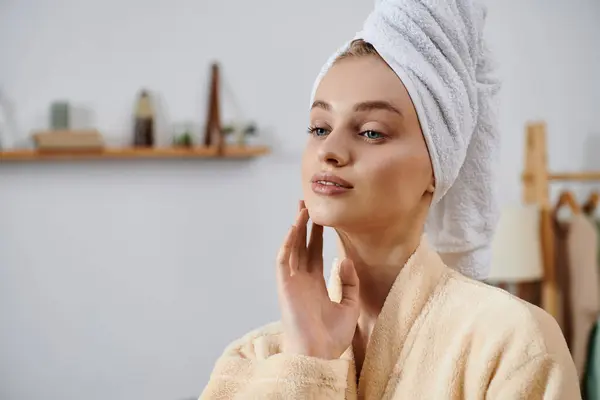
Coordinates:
x,y
517,247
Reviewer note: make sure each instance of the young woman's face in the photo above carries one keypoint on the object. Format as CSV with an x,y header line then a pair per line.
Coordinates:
x,y
365,164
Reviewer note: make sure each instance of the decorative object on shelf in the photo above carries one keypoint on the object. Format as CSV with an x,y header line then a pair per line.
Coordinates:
x,y
68,141
185,138
144,121
240,131
213,136
3,128
59,116
8,128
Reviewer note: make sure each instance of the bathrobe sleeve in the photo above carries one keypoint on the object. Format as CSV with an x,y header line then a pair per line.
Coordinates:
x,y
540,377
536,365
252,368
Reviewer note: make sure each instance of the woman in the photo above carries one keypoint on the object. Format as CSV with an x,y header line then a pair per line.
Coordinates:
x,y
401,143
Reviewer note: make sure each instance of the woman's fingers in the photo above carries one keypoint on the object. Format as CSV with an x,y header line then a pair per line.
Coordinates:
x,y
301,224
315,248
283,257
302,232
350,283
298,255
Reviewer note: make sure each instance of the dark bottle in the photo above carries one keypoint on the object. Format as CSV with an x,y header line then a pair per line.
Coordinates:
x,y
144,122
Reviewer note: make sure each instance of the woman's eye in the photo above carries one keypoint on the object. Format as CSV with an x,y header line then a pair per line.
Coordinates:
x,y
318,131
372,135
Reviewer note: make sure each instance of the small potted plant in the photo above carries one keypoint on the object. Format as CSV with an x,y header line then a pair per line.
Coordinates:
x,y
241,131
185,138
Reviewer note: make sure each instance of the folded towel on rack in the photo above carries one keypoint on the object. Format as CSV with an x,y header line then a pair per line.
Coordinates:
x,y
438,51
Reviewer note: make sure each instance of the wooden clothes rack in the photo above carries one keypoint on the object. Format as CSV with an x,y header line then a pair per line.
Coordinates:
x,y
536,190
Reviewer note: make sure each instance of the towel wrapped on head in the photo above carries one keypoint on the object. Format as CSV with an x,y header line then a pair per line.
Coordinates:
x,y
438,51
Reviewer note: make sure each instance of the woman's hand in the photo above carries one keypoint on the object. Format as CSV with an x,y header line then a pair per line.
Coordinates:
x,y
313,324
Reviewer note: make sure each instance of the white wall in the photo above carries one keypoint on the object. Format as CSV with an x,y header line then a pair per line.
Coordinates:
x,y
549,55
125,280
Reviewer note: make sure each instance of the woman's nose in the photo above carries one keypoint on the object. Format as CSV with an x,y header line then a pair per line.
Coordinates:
x,y
334,150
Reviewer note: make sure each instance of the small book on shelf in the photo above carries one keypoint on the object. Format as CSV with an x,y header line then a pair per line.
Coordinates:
x,y
69,140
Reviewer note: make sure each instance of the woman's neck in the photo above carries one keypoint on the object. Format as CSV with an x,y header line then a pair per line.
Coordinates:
x,y
378,259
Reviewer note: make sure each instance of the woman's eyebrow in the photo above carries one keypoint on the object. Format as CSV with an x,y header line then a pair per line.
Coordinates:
x,y
364,106
321,104
377,105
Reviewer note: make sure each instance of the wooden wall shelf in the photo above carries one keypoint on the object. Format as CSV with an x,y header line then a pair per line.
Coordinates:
x,y
230,152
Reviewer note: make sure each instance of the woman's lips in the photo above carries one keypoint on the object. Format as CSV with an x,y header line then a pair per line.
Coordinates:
x,y
329,185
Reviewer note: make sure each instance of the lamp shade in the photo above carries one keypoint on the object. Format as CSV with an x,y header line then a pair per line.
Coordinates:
x,y
517,246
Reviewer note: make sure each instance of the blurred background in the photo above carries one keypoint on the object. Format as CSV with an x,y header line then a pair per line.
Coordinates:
x,y
125,277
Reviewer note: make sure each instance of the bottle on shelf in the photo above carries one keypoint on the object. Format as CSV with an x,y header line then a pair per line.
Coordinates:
x,y
144,121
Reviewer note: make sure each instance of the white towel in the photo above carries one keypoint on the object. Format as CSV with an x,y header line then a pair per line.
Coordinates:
x,y
438,51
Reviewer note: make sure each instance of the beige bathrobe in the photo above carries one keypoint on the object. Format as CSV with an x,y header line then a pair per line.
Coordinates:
x,y
439,336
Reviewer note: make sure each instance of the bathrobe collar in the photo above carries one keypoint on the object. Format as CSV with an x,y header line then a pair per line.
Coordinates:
x,y
403,311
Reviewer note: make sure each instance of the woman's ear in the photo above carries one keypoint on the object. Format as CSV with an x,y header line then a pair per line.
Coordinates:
x,y
431,188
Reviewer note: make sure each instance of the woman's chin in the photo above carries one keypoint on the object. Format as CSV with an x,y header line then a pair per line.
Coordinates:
x,y
330,217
